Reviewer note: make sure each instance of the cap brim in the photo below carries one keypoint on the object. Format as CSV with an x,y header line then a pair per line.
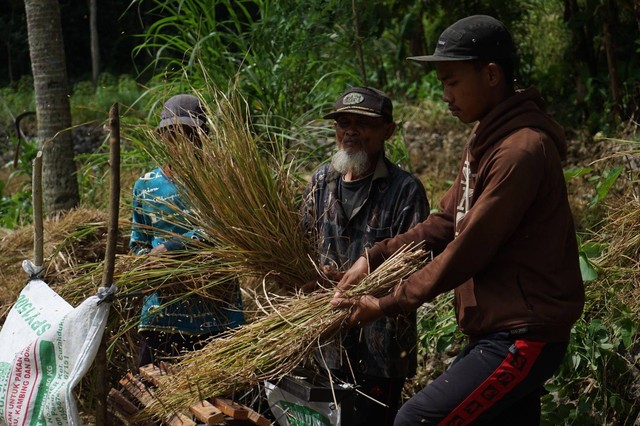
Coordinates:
x,y
334,114
174,121
440,58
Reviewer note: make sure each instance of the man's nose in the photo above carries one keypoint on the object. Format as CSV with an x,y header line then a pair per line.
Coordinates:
x,y
446,96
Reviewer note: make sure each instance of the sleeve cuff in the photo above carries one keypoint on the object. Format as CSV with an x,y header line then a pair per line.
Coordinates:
x,y
390,306
375,257
174,245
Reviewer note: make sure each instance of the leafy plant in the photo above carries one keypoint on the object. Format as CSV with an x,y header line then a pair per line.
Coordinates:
x,y
602,183
438,327
16,206
289,59
396,151
592,384
16,99
439,340
15,209
588,251
89,104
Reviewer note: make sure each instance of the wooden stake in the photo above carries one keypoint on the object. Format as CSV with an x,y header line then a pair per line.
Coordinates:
x,y
36,193
114,197
101,361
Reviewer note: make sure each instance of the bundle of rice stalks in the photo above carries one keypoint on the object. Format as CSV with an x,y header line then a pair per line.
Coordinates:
x,y
176,275
244,202
243,193
273,345
244,199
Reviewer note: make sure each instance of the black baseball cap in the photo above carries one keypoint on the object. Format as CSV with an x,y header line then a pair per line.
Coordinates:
x,y
477,37
364,101
182,109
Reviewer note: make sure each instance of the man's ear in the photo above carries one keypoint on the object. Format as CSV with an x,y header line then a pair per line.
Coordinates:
x,y
495,75
389,129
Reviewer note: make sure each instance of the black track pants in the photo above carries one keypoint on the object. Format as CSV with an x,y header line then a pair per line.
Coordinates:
x,y
495,381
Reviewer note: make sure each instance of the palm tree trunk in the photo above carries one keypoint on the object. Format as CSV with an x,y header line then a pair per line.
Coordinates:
x,y
46,48
610,23
95,51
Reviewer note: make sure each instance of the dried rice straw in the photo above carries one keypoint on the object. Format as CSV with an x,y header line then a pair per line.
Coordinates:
x,y
243,194
273,345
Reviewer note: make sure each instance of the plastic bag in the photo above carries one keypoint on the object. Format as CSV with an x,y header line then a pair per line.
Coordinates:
x,y
289,410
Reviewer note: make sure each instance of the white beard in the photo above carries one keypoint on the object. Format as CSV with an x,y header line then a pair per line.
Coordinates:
x,y
357,163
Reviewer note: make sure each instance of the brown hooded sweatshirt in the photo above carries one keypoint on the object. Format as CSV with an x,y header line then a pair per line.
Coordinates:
x,y
504,239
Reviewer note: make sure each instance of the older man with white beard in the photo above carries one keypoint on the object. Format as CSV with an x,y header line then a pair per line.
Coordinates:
x,y
358,199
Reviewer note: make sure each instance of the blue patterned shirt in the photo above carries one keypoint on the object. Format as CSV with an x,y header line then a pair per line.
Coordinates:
x,y
158,218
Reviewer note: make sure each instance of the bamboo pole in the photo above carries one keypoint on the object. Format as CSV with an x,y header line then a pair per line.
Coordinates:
x,y
114,196
102,385
36,194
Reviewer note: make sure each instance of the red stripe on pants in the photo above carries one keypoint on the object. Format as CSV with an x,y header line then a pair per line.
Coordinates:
x,y
509,373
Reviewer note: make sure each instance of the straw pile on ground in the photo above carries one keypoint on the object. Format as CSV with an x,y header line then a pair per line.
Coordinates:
x,y
73,239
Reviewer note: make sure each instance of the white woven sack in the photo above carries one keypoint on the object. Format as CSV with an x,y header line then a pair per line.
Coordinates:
x,y
46,347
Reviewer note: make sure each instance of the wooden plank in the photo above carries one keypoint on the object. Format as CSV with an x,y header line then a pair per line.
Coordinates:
x,y
137,389
166,368
151,373
180,419
231,409
123,420
121,403
207,413
258,418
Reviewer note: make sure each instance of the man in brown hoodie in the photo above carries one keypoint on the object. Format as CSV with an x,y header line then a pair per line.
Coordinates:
x,y
504,241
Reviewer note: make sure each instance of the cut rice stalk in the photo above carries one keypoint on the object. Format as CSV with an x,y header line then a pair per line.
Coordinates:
x,y
274,344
